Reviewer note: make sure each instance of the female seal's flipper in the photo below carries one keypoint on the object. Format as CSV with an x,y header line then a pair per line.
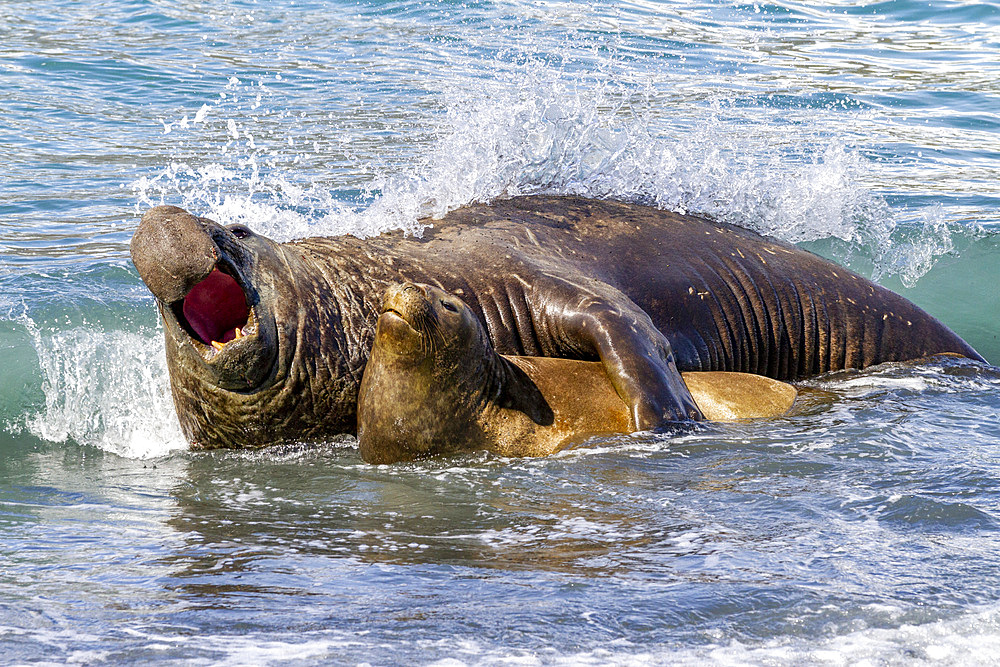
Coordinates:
x,y
574,388
723,396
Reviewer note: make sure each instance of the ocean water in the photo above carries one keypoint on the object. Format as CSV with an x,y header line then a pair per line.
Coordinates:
x,y
862,529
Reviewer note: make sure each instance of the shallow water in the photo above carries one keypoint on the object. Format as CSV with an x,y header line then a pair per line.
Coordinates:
x,y
864,527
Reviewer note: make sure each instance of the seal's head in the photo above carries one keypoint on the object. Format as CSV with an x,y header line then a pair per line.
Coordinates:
x,y
431,374
230,326
421,324
203,277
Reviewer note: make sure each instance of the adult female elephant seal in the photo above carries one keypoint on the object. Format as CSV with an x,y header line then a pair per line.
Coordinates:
x,y
434,385
266,341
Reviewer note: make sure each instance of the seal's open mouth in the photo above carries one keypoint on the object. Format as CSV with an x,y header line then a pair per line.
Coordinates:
x,y
215,311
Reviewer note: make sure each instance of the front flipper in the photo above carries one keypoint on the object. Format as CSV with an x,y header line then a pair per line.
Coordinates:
x,y
599,321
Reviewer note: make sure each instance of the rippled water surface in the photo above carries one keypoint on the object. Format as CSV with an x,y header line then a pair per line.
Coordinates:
x,y
862,529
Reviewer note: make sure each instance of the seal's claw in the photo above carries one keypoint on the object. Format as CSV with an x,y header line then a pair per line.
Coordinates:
x,y
654,410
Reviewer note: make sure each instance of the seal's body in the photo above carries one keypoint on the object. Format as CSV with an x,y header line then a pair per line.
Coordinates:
x,y
267,341
434,385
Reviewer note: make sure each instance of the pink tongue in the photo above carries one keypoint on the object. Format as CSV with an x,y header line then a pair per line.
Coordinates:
x,y
215,307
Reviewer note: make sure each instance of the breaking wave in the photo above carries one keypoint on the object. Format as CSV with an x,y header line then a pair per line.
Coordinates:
x,y
107,389
534,131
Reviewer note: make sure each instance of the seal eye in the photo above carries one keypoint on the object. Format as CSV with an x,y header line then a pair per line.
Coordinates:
x,y
449,306
240,231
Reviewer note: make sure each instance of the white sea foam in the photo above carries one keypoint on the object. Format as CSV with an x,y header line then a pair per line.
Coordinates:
x,y
533,130
971,639
868,385
107,389
914,377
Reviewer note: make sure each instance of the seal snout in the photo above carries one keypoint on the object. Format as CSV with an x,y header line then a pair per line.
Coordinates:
x,y
409,325
173,252
180,260
408,301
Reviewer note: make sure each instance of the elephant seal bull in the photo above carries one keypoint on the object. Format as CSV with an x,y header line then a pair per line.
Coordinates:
x,y
434,385
266,342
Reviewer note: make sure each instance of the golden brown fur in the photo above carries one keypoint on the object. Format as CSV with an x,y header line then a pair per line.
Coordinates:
x,y
434,385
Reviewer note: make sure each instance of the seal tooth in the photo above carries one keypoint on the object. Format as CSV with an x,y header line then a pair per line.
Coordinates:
x,y
217,345
239,333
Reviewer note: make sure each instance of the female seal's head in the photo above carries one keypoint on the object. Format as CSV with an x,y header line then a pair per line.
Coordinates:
x,y
424,325
431,375
427,375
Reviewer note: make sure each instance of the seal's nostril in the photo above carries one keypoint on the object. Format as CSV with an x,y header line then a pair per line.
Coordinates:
x,y
173,251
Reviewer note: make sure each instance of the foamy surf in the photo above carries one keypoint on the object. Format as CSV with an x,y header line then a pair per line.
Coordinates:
x,y
534,129
104,388
971,639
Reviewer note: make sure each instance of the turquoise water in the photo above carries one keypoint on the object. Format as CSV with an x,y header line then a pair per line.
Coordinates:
x,y
865,527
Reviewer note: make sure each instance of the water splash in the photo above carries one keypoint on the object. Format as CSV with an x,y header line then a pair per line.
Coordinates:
x,y
608,140
916,249
106,389
242,160
532,130
963,639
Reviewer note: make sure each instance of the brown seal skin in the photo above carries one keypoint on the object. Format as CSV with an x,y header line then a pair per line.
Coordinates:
x,y
434,385
646,292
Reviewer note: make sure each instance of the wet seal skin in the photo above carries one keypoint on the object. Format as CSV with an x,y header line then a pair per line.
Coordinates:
x,y
434,385
266,342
